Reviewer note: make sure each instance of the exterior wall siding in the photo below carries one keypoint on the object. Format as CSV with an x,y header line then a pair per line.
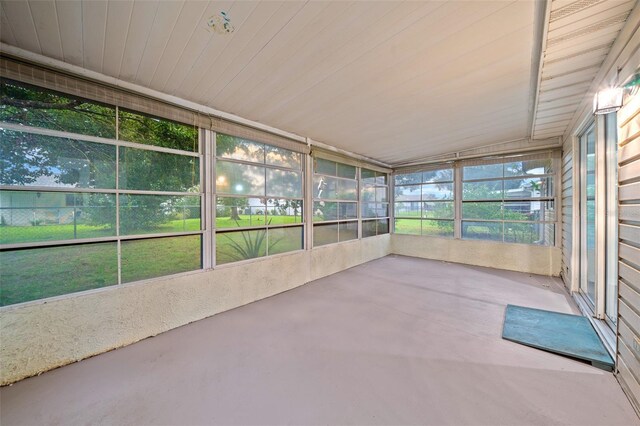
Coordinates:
x,y
566,271
628,336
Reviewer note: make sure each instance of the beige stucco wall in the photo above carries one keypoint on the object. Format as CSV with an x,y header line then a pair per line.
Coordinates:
x,y
40,336
328,260
512,257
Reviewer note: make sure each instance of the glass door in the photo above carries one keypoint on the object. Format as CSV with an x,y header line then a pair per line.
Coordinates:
x,y
598,219
588,215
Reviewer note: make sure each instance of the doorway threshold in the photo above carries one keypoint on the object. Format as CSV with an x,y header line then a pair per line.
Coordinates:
x,y
605,333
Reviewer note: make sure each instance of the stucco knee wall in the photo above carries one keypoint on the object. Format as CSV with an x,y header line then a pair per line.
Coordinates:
x,y
512,257
39,336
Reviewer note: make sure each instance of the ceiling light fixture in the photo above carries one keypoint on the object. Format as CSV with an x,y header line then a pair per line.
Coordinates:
x,y
220,23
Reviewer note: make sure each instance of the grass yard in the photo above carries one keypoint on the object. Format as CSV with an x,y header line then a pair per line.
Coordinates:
x,y
22,234
408,226
434,228
255,220
51,271
39,273
242,245
142,259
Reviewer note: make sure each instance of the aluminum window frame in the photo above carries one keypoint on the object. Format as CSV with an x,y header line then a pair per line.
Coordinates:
x,y
375,186
212,203
458,181
421,201
504,200
206,155
117,192
337,222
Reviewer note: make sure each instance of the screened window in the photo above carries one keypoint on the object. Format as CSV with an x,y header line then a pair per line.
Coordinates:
x,y
374,202
79,213
28,105
335,202
509,201
259,200
424,203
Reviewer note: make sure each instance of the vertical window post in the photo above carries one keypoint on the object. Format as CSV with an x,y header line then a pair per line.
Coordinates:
x,y
457,199
207,144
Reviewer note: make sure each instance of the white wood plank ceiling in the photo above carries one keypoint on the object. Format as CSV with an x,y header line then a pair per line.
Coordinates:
x,y
580,35
396,81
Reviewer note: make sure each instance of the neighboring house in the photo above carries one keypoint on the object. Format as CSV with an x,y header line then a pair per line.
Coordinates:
x,y
18,208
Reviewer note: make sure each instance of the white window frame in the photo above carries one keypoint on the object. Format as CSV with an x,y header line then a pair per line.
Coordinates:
x,y
456,208
458,180
213,203
388,203
313,199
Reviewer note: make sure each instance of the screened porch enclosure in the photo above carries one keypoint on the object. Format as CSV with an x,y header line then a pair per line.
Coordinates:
x,y
334,196
365,342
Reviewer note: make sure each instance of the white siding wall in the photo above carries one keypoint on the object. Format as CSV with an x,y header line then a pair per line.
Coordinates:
x,y
567,215
620,64
628,356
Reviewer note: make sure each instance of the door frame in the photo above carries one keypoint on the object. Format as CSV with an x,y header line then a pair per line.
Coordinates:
x,y
596,312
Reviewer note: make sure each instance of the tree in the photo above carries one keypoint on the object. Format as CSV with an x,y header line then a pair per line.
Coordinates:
x,y
33,106
498,210
226,144
254,181
28,158
285,205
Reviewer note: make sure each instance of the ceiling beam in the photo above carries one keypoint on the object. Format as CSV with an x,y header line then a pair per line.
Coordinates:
x,y
540,28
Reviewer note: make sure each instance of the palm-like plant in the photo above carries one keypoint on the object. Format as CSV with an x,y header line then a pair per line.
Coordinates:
x,y
251,246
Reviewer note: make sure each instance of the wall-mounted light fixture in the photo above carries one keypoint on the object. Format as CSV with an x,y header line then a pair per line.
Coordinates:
x,y
608,100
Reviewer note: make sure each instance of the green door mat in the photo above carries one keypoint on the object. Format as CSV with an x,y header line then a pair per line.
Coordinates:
x,y
570,335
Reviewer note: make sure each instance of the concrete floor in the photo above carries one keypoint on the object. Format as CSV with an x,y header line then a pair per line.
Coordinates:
x,y
395,341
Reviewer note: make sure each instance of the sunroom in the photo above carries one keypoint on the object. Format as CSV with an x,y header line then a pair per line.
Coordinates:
x,y
322,212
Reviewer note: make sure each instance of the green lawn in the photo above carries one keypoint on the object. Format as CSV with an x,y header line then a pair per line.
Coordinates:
x,y
255,220
432,228
412,213
142,259
21,234
241,245
39,273
51,271
46,272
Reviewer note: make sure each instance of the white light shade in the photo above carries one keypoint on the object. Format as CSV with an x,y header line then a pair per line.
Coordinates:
x,y
606,101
